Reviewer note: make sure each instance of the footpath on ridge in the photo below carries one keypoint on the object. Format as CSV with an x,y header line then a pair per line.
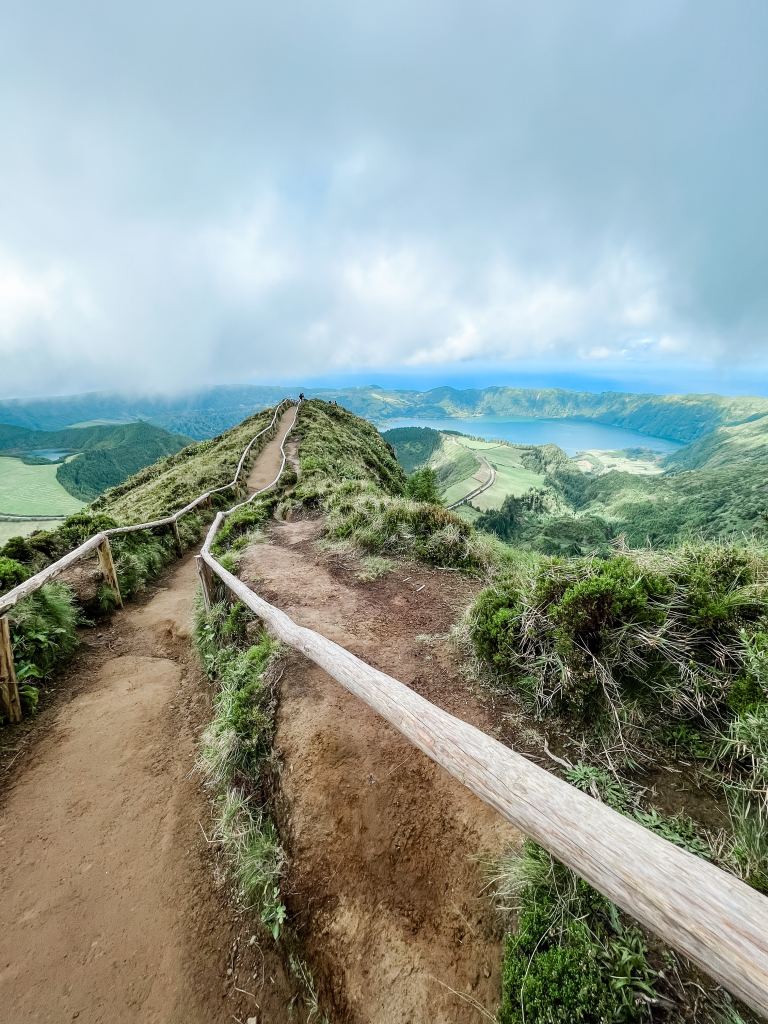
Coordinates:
x,y
111,908
115,907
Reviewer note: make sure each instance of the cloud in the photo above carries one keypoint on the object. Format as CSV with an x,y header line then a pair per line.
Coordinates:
x,y
194,193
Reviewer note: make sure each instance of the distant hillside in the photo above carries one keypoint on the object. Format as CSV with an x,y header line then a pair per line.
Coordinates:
x,y
745,443
207,413
104,455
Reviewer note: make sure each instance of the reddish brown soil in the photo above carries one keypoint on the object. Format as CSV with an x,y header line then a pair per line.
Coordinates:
x,y
385,892
111,910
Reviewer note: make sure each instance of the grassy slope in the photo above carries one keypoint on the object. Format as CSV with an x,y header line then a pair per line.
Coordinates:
x,y
172,482
746,443
33,490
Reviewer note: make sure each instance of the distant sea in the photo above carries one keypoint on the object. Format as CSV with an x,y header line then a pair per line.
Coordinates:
x,y
571,435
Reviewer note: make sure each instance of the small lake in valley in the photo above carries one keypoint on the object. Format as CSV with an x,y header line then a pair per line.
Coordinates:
x,y
569,434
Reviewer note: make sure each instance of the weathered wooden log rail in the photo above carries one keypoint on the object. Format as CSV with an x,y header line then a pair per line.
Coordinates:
x,y
10,702
708,915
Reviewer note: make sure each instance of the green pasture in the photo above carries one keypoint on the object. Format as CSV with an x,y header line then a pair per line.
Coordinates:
x,y
33,490
23,528
511,475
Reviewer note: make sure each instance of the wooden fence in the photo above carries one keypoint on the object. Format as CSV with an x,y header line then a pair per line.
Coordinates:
x,y
717,921
10,703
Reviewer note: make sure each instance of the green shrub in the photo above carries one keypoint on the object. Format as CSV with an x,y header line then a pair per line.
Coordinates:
x,y
18,549
12,573
422,486
644,631
43,630
572,958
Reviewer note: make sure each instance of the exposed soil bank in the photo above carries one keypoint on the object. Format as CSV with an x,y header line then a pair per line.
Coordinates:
x,y
382,887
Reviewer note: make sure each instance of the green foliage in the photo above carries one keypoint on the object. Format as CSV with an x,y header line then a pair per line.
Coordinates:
x,y
43,630
250,840
245,519
413,445
29,696
379,524
592,779
233,749
572,959
640,632
422,486
12,573
18,549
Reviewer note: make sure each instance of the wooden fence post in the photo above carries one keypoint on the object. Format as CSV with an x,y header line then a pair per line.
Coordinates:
x,y
177,538
207,583
9,687
107,567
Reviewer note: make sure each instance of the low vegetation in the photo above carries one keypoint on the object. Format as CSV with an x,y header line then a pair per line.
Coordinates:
x,y
236,757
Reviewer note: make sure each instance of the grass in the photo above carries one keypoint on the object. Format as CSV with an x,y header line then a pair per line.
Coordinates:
x,y
172,482
33,490
235,755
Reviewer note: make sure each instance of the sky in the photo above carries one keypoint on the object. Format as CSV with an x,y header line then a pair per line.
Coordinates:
x,y
408,194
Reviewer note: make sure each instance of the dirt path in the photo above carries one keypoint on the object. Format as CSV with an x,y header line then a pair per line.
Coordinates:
x,y
113,907
384,890
111,910
267,465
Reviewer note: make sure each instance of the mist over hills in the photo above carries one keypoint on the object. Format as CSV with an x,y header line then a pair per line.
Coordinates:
x,y
204,414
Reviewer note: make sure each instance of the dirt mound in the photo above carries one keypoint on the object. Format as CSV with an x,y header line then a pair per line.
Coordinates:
x,y
383,887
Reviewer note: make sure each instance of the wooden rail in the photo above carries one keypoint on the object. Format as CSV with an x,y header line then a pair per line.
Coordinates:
x,y
709,916
9,691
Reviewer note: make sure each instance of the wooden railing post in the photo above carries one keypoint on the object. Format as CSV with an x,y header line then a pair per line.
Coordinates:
x,y
9,687
177,538
107,567
207,583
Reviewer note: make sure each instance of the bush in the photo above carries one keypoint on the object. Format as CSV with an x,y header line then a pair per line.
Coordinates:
x,y
12,573
641,630
422,486
572,958
18,549
43,630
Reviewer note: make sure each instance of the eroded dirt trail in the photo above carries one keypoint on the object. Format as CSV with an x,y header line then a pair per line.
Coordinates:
x,y
102,876
111,910
384,890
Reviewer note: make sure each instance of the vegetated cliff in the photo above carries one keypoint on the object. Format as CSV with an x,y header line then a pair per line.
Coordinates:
x,y
745,443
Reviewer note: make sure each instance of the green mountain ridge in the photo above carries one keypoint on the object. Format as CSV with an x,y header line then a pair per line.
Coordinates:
x,y
204,414
105,455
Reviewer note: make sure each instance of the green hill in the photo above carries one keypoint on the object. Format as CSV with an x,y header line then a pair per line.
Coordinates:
x,y
104,456
745,443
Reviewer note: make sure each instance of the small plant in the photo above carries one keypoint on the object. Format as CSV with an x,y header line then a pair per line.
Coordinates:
x,y
373,566
572,959
29,696
272,910
12,573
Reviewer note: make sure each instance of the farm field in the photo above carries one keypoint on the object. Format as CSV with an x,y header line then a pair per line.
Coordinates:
x,y
33,490
511,476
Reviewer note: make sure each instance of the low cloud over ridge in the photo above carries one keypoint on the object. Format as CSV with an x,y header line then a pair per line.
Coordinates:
x,y
199,192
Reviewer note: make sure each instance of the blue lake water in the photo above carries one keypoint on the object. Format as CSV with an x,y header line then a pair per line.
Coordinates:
x,y
571,435
48,453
